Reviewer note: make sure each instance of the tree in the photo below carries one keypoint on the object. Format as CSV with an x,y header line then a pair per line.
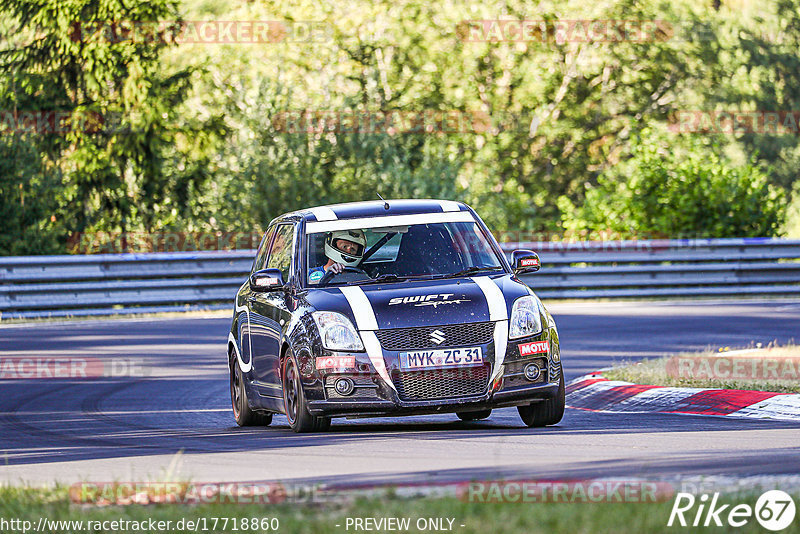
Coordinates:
x,y
131,156
278,170
27,200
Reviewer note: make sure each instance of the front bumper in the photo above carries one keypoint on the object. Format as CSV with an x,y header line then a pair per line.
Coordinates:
x,y
373,397
377,408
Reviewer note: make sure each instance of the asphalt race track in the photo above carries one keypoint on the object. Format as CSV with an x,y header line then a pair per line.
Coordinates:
x,y
131,429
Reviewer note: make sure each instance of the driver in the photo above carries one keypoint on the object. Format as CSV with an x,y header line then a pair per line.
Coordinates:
x,y
344,248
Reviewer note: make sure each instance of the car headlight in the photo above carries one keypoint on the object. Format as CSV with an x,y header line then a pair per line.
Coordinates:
x,y
526,318
337,331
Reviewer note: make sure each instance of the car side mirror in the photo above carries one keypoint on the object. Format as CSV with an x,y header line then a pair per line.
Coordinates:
x,y
266,280
525,261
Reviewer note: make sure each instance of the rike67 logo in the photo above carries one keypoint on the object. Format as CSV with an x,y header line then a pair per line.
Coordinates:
x,y
774,510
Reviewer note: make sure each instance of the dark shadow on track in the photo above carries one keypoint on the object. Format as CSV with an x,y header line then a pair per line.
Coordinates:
x,y
56,421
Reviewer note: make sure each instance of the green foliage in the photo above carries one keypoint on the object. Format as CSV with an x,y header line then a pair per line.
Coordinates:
x,y
669,190
190,139
767,78
26,200
572,105
140,161
277,170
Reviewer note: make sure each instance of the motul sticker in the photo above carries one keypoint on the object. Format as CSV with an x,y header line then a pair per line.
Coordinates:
x,y
529,262
534,347
336,362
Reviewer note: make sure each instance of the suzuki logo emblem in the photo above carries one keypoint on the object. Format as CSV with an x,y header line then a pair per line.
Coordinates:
x,y
437,336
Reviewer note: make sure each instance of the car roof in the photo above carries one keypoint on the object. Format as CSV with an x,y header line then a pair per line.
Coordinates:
x,y
376,208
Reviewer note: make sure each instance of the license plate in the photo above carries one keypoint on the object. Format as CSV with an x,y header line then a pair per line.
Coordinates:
x,y
441,358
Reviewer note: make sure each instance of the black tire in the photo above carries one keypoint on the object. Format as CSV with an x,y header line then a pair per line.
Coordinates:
x,y
242,413
474,416
294,402
546,412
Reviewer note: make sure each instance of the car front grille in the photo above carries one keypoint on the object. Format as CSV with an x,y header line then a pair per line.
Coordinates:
x,y
441,383
455,335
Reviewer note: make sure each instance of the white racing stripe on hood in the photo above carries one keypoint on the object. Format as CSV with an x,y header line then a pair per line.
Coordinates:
x,y
494,298
324,213
500,345
361,306
375,353
499,313
367,323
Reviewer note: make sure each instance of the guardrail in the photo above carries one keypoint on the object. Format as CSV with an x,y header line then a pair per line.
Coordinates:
x,y
107,284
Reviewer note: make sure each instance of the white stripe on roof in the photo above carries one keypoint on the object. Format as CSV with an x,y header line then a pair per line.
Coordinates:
x,y
449,205
324,213
388,220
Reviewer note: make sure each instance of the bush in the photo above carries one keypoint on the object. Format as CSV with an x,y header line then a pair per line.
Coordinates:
x,y
678,189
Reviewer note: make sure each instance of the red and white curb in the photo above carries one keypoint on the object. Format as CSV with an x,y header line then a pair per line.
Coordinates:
x,y
594,392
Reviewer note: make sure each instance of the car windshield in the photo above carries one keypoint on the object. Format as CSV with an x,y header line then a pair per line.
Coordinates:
x,y
435,250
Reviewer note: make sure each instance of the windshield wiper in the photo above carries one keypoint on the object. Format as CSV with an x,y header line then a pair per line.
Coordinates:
x,y
470,270
390,277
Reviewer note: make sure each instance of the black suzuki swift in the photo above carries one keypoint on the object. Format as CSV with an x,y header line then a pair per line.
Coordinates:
x,y
404,307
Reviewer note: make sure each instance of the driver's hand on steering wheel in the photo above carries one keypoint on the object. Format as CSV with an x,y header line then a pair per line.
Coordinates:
x,y
337,268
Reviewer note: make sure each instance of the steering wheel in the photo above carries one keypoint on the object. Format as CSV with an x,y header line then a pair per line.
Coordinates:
x,y
347,269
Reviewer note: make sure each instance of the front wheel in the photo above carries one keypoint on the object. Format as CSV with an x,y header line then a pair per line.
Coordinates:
x,y
546,412
244,415
294,402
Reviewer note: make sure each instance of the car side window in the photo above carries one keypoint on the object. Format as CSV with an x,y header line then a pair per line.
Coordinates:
x,y
263,250
280,256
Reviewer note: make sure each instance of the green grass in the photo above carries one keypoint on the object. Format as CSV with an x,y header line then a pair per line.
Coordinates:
x,y
617,518
654,372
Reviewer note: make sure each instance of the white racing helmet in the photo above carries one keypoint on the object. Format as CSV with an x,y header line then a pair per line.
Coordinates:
x,y
347,258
